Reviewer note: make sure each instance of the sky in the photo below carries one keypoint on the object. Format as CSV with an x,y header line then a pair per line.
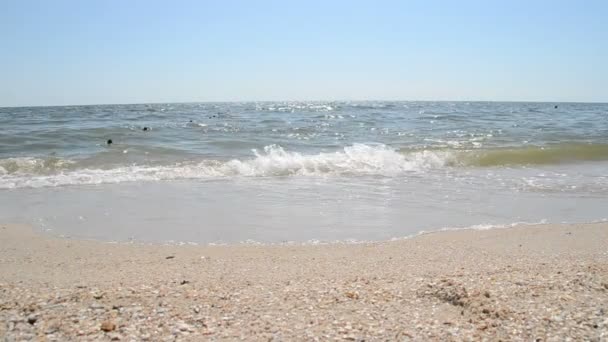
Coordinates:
x,y
113,51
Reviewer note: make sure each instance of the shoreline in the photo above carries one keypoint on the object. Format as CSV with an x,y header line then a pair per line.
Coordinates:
x,y
547,281
49,234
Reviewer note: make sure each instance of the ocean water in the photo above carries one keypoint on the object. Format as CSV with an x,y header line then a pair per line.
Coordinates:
x,y
274,172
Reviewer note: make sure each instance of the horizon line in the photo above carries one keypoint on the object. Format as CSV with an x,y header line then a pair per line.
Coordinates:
x,y
293,101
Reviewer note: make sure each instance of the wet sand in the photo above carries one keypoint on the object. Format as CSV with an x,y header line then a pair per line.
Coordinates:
x,y
547,282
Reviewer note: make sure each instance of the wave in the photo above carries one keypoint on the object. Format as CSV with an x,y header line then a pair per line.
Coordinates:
x,y
30,165
274,161
358,159
534,155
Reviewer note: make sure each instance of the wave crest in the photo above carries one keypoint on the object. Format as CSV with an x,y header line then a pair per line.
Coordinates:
x,y
358,159
273,160
355,159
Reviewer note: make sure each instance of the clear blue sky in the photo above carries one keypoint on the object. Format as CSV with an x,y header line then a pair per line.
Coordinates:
x,y
115,51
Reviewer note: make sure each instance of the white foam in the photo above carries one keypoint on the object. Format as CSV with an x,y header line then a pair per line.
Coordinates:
x,y
358,159
352,241
483,226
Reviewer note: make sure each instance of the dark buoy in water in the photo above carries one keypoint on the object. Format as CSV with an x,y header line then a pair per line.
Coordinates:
x,y
109,142
190,121
555,107
145,129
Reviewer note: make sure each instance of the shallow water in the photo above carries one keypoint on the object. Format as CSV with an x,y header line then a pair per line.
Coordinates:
x,y
276,172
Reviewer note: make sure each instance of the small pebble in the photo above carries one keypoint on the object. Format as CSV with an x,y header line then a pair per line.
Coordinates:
x,y
108,326
31,319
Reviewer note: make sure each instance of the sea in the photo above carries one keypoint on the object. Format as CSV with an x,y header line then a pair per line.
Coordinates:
x,y
300,172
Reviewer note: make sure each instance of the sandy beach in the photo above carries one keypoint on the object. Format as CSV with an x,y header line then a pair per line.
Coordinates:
x,y
544,282
303,171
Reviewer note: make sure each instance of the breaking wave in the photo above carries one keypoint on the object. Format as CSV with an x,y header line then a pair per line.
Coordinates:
x,y
358,159
274,161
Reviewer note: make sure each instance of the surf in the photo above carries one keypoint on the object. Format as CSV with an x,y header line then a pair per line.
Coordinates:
x,y
275,161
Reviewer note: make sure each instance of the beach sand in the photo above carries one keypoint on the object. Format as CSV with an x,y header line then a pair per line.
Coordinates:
x,y
547,282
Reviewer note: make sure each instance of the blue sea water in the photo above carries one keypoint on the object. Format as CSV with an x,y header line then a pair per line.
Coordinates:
x,y
300,171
